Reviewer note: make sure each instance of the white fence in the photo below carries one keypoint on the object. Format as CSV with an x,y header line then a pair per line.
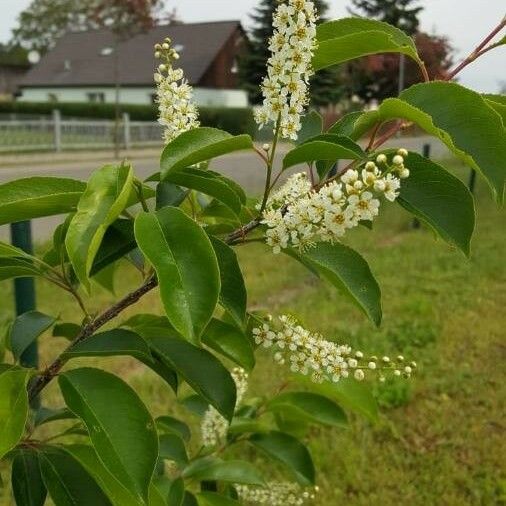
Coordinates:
x,y
57,134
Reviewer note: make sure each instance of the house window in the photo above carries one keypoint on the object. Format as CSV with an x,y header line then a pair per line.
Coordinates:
x,y
97,97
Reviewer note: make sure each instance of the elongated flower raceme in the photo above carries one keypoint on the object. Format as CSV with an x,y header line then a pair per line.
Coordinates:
x,y
308,353
276,494
177,112
214,427
285,89
298,216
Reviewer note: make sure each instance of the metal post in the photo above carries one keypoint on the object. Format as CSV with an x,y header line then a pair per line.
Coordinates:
x,y
24,292
57,130
126,130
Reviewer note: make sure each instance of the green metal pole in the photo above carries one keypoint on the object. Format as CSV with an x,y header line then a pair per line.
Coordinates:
x,y
24,291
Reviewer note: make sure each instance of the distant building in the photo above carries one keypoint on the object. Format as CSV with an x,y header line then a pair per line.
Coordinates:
x,y
81,67
10,76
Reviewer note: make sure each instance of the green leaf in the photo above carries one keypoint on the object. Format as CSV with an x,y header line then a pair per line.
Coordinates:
x,y
7,250
104,199
186,266
174,426
175,494
13,406
233,295
230,342
498,103
346,124
47,415
311,126
113,413
27,485
215,499
168,194
121,342
18,268
442,109
200,369
311,407
349,38
88,459
26,328
439,199
34,197
199,145
289,451
172,448
150,325
207,182
232,471
347,271
118,240
325,147
67,330
67,481
350,394
195,404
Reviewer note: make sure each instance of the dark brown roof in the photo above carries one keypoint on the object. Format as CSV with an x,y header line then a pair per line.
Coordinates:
x,y
201,43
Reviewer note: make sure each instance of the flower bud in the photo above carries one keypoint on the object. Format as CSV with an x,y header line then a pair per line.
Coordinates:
x,y
381,158
402,152
397,160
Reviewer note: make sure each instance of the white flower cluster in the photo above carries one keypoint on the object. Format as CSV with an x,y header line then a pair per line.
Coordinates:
x,y
309,353
298,216
177,112
285,89
214,426
276,494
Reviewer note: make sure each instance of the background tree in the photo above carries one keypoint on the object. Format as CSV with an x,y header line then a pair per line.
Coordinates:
x,y
325,88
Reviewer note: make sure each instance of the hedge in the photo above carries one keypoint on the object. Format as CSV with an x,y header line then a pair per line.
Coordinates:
x,y
235,120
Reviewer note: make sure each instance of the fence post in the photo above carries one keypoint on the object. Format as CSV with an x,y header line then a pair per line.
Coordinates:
x,y
24,292
126,130
57,130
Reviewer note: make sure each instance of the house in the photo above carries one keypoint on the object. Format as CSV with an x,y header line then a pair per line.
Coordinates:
x,y
13,66
81,67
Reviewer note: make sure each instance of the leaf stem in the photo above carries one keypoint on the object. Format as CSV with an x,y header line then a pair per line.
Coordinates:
x,y
270,164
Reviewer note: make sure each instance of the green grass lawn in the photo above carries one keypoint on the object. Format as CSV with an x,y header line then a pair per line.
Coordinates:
x,y
440,439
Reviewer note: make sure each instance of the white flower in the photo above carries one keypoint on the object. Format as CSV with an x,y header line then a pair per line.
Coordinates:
x,y
392,185
364,206
177,112
276,494
285,88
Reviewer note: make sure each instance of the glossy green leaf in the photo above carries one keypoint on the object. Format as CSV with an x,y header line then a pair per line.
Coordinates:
x,y
173,425
442,109
195,404
106,196
186,266
27,485
439,199
46,415
67,481
232,471
209,183
121,342
11,268
288,450
34,197
168,194
230,342
150,325
175,494
350,394
13,406
200,369
349,38
7,250
498,103
347,271
199,145
327,148
172,448
67,330
88,459
311,126
26,328
309,406
118,240
112,413
346,124
233,295
215,499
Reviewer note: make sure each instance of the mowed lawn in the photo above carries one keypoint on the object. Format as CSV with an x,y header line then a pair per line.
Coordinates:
x,y
441,437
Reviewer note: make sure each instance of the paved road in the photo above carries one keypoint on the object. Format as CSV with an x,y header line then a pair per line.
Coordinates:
x,y
245,168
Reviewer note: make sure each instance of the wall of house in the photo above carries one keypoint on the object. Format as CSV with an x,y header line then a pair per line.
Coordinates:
x,y
138,95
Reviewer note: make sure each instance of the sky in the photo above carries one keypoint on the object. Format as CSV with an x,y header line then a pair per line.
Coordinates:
x,y
464,22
